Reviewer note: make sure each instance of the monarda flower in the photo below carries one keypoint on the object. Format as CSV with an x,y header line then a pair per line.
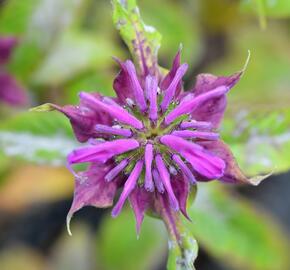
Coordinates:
x,y
11,92
153,141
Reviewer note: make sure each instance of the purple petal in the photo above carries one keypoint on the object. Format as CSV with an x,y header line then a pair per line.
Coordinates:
x,y
92,190
232,173
7,44
122,84
213,110
83,120
113,131
202,161
128,188
196,125
191,105
116,170
151,86
157,181
140,201
169,77
170,91
116,112
181,191
149,186
185,170
188,134
11,92
136,87
165,178
102,152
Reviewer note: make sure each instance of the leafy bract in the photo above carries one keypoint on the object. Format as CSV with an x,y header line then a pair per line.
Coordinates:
x,y
142,40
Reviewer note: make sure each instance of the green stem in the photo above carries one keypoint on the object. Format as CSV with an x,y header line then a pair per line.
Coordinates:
x,y
182,246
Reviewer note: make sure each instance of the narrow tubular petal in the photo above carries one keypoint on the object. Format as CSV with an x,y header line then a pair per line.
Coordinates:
x,y
151,85
157,181
169,93
202,161
102,152
116,170
110,101
116,112
136,87
196,124
128,188
165,178
148,167
190,105
113,131
185,170
187,134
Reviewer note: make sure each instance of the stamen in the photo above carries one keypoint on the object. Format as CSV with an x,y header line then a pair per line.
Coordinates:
x,y
113,131
116,170
151,86
157,181
165,178
148,167
128,188
185,170
170,91
130,102
191,105
187,134
116,112
196,124
136,87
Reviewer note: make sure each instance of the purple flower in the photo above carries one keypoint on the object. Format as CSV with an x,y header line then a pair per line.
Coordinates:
x,y
11,92
153,141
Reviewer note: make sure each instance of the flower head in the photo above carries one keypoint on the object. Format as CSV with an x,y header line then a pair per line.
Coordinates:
x,y
153,141
11,92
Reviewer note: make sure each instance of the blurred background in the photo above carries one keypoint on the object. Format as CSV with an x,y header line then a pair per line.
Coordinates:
x,y
61,47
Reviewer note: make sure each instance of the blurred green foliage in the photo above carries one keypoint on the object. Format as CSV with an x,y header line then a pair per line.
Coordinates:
x,y
66,46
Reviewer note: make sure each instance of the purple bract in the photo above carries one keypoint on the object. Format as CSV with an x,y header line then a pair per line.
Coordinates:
x,y
153,141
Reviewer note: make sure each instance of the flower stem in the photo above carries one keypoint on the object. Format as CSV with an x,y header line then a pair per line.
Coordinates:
x,y
181,244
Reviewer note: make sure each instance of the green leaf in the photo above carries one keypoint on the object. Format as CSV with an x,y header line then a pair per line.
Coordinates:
x,y
74,53
264,86
276,8
232,230
165,16
119,248
36,17
40,138
260,141
142,40
15,16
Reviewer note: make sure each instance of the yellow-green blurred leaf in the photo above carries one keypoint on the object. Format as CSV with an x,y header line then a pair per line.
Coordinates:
x,y
232,230
30,184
